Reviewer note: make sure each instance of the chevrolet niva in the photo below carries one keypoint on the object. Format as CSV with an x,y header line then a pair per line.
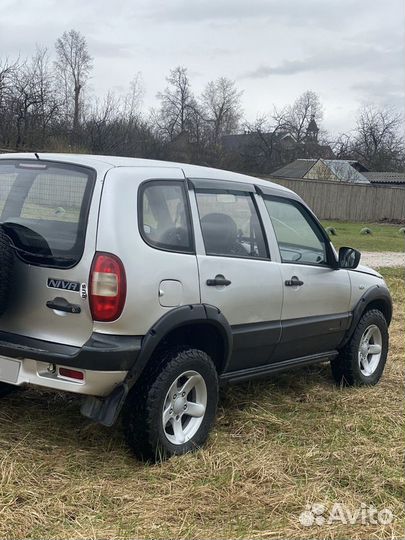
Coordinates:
x,y
144,285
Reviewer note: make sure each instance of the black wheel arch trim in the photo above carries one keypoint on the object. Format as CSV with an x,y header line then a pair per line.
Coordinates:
x,y
176,318
375,294
106,410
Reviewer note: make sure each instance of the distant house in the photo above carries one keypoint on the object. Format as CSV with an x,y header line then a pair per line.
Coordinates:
x,y
391,179
335,170
268,151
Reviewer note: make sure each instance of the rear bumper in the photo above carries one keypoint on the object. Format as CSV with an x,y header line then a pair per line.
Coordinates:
x,y
104,360
102,352
94,383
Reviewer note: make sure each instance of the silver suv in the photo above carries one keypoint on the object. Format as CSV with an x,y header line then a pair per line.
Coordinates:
x,y
144,285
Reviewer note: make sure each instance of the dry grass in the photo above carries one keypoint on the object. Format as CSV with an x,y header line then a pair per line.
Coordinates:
x,y
277,446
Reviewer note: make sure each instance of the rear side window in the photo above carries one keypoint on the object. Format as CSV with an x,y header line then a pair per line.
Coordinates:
x,y
164,217
230,224
44,208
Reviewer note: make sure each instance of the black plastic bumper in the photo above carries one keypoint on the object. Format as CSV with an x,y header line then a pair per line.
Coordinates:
x,y
102,352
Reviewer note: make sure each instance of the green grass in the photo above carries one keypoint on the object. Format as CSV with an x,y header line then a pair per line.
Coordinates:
x,y
385,237
277,446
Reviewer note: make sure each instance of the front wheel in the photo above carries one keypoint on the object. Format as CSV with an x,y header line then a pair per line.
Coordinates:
x,y
362,361
172,409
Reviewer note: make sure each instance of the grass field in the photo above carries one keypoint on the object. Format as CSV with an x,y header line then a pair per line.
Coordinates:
x,y
276,447
385,237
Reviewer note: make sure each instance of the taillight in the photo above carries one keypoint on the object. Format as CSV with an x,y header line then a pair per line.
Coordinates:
x,y
71,373
108,287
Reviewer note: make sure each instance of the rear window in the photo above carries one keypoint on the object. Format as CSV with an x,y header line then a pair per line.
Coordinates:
x,y
44,208
164,219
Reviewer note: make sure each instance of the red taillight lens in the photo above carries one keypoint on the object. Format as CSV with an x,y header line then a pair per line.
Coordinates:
x,y
108,287
71,373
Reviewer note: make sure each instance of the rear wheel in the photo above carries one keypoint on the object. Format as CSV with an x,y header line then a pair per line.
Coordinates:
x,y
362,361
171,410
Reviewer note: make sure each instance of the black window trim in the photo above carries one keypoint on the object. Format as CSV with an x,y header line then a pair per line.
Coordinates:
x,y
84,210
163,182
223,186
213,184
313,223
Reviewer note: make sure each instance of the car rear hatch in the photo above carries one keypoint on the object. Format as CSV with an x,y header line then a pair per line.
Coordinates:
x,y
49,210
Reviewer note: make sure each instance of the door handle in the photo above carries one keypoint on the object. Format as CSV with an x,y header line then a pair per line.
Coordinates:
x,y
293,282
60,304
218,281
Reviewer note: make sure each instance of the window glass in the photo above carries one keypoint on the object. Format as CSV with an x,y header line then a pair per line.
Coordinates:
x,y
164,216
298,237
44,209
230,225
55,198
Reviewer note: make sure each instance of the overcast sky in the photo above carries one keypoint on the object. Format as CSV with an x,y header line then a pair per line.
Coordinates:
x,y
349,51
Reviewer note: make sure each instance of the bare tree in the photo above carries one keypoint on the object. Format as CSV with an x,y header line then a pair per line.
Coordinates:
x,y
296,117
134,97
8,69
221,107
47,103
177,104
378,140
73,66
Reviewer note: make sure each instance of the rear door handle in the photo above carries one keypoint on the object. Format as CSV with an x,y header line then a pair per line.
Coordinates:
x,y
293,282
60,304
218,281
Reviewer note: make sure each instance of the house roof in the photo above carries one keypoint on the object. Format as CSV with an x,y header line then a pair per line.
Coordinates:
x,y
295,169
245,142
343,169
385,177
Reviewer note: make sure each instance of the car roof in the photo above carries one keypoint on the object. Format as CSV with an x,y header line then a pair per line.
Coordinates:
x,y
190,171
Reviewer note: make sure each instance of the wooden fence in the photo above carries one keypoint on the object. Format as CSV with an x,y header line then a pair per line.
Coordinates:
x,y
349,202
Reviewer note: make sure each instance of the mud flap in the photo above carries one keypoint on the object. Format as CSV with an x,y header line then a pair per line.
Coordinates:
x,y
105,411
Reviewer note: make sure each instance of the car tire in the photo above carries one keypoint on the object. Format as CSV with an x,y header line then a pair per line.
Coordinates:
x,y
170,411
6,267
363,359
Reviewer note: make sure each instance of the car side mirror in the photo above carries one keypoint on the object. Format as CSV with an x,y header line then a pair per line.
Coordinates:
x,y
349,257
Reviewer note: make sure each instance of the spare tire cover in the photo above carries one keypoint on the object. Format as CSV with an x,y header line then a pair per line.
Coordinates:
x,y
6,267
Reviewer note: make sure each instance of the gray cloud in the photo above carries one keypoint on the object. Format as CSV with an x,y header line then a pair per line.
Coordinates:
x,y
332,60
301,12
385,92
108,49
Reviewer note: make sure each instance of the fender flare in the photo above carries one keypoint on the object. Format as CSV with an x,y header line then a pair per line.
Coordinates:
x,y
106,410
375,293
184,315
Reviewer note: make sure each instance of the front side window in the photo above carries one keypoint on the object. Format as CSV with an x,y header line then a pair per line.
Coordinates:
x,y
230,224
164,216
44,208
298,236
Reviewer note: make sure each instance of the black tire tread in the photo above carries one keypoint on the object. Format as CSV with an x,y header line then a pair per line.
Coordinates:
x,y
345,368
141,432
